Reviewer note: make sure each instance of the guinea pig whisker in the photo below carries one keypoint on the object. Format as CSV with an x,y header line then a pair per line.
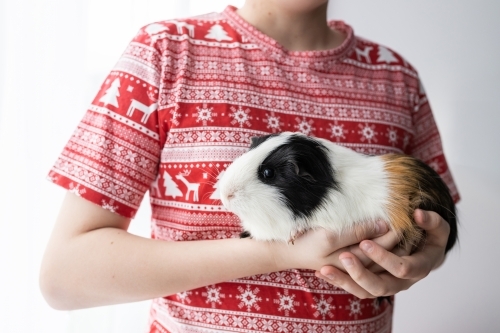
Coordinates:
x,y
208,182
205,196
211,173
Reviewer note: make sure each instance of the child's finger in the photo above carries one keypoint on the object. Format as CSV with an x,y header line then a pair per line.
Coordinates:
x,y
342,280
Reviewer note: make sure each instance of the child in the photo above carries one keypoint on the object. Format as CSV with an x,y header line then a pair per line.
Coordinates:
x,y
181,103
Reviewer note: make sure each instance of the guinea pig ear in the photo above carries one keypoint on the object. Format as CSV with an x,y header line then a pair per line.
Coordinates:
x,y
257,140
302,173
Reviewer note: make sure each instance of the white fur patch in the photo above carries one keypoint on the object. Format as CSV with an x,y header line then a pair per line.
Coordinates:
x,y
363,192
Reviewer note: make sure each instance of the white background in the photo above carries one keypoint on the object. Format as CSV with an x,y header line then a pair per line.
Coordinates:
x,y
55,53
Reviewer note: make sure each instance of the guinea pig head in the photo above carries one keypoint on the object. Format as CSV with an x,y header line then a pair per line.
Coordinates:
x,y
278,184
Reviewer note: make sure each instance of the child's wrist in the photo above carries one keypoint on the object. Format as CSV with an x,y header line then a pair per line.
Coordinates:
x,y
279,253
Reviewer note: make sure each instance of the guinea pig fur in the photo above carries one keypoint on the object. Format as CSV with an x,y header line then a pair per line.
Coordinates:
x,y
288,183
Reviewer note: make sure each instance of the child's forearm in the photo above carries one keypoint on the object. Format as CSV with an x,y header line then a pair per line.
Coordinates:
x,y
91,260
109,266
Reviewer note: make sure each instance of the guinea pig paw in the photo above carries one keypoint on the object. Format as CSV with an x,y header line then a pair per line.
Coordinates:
x,y
245,234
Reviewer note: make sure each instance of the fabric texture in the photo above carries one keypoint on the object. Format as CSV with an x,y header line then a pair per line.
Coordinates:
x,y
184,100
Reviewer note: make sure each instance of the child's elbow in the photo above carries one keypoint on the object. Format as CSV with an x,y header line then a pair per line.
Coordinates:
x,y
53,288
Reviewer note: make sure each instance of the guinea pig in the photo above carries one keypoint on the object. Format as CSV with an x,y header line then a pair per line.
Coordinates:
x,y
288,183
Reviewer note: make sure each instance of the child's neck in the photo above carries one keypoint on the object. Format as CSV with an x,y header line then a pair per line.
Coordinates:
x,y
294,30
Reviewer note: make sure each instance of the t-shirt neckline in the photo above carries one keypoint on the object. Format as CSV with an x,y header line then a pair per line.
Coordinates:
x,y
278,51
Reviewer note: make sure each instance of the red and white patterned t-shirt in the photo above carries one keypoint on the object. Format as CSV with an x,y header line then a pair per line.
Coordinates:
x,y
184,100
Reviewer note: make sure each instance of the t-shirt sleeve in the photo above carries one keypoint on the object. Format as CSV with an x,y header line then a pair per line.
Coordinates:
x,y
426,144
112,157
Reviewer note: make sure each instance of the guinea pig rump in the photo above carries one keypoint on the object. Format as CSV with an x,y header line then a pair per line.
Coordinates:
x,y
413,184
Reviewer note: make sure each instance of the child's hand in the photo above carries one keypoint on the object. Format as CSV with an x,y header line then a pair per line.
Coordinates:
x,y
317,248
401,271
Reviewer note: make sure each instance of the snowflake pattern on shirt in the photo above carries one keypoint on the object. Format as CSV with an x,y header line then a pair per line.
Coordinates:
x,y
184,101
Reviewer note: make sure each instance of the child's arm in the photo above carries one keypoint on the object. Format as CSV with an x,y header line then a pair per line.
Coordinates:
x,y
91,260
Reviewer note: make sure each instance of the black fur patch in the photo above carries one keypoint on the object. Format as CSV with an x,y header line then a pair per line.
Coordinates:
x,y
258,140
302,173
443,202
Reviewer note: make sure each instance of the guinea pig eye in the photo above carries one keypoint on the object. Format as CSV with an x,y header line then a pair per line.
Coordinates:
x,y
267,173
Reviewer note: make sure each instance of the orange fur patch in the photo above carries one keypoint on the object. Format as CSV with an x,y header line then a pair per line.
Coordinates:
x,y
410,186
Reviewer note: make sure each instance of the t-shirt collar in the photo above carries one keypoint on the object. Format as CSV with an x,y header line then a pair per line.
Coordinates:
x,y
278,52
